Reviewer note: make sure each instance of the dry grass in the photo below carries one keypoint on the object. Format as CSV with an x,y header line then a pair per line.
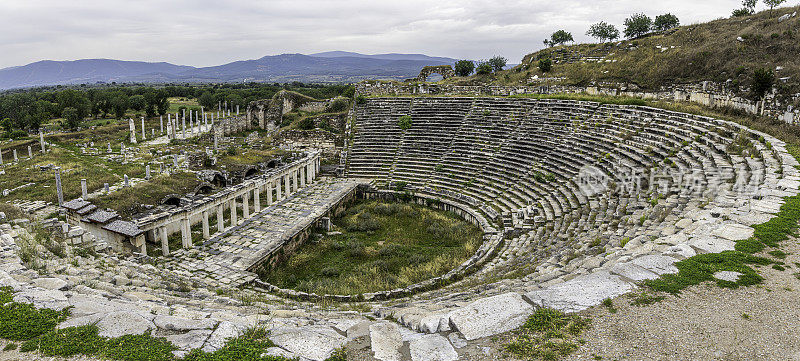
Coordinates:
x,y
707,51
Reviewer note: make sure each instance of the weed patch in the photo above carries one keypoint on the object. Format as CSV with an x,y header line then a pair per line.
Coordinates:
x,y
21,321
700,268
548,334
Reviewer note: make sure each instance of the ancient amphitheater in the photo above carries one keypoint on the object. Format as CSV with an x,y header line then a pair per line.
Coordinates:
x,y
578,202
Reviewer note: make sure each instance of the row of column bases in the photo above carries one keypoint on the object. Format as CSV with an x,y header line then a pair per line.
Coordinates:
x,y
283,186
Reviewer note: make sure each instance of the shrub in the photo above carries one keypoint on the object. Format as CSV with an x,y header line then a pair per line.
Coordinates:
x,y
337,106
306,124
404,122
545,65
361,100
762,82
483,68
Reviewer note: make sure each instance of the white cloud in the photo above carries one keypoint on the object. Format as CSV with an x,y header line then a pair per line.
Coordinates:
x,y
204,32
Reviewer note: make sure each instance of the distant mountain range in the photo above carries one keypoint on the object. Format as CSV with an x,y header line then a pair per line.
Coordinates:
x,y
327,67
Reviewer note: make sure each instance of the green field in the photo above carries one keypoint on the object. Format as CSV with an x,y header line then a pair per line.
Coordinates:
x,y
382,246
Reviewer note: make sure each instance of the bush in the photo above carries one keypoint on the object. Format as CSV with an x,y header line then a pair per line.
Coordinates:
x,y
404,122
337,106
484,68
762,82
361,100
306,124
742,12
545,65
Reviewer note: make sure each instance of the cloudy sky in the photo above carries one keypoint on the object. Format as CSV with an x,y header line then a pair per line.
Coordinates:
x,y
205,32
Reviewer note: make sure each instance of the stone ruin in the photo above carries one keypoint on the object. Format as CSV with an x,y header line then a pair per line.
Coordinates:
x,y
446,71
578,202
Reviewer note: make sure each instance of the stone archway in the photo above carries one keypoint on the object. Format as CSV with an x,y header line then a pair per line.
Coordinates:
x,y
446,71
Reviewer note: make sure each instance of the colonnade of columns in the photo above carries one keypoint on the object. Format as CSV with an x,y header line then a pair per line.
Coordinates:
x,y
275,188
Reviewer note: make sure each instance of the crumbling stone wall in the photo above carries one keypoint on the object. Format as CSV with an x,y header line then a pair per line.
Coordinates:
x,y
446,71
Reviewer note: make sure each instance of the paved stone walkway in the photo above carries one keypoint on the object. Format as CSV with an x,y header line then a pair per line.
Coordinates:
x,y
224,259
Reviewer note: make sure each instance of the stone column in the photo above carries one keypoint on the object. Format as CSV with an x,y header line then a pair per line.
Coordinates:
x,y
147,172
303,174
186,233
295,188
164,242
161,121
41,140
30,152
106,188
59,191
126,181
16,159
133,130
143,249
144,132
257,199
278,188
183,125
84,191
269,193
234,215
220,219
1,157
246,204
287,190
206,232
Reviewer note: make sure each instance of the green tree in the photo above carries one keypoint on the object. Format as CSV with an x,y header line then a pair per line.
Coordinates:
x,y
483,68
71,98
603,31
120,105
498,63
762,82
464,67
545,65
561,37
637,25
773,3
207,100
71,117
137,102
163,101
665,22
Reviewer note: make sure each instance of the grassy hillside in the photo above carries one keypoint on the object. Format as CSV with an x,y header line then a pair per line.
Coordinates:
x,y
719,50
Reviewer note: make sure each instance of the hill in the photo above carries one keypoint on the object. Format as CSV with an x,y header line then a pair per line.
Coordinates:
x,y
322,68
48,72
724,50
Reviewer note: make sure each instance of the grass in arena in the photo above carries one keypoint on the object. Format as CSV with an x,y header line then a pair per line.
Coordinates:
x,y
382,246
